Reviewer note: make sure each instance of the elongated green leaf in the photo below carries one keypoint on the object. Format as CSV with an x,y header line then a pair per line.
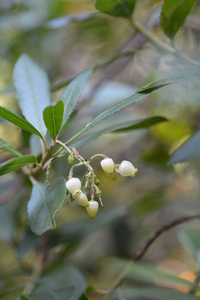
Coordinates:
x,y
155,293
53,116
33,91
188,151
148,273
118,125
59,294
16,163
15,119
116,8
72,93
9,148
141,94
174,14
44,204
117,107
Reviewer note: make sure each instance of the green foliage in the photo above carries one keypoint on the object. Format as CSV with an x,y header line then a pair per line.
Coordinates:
x,y
174,14
16,163
116,8
9,148
43,205
72,93
53,117
33,91
15,119
65,38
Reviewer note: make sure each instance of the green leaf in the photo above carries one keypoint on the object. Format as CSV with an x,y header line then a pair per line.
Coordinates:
x,y
33,91
61,294
15,119
142,93
188,151
9,148
190,240
53,116
44,204
59,277
117,107
174,14
116,8
155,293
117,125
16,163
72,93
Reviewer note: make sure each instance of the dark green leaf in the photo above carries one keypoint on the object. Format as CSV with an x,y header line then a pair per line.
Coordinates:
x,y
9,148
53,116
118,125
72,93
116,8
33,91
174,14
15,119
16,163
188,151
155,293
44,204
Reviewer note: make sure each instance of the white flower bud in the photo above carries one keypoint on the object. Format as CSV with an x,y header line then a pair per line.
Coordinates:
x,y
73,185
82,199
92,209
108,165
127,169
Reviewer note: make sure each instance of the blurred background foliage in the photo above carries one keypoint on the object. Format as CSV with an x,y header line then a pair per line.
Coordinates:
x,y
66,37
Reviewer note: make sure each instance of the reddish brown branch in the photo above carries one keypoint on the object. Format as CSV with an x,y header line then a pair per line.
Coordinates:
x,y
161,230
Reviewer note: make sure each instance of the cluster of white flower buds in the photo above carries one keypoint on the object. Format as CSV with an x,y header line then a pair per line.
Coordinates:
x,y
126,168
73,185
77,190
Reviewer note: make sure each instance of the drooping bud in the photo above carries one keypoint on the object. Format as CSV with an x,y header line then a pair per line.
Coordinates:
x,y
73,185
108,165
71,158
92,209
126,168
82,199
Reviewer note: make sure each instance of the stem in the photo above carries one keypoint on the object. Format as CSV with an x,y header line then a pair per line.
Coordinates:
x,y
160,45
95,156
73,167
146,246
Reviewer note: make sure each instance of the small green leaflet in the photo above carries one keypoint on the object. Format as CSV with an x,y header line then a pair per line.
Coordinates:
x,y
9,148
16,163
33,91
174,14
15,119
116,8
72,93
53,116
44,204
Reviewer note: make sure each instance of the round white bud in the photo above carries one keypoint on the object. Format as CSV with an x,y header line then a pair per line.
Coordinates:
x,y
108,165
126,168
73,185
92,209
82,199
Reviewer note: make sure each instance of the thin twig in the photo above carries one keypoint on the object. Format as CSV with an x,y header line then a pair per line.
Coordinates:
x,y
146,246
161,230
